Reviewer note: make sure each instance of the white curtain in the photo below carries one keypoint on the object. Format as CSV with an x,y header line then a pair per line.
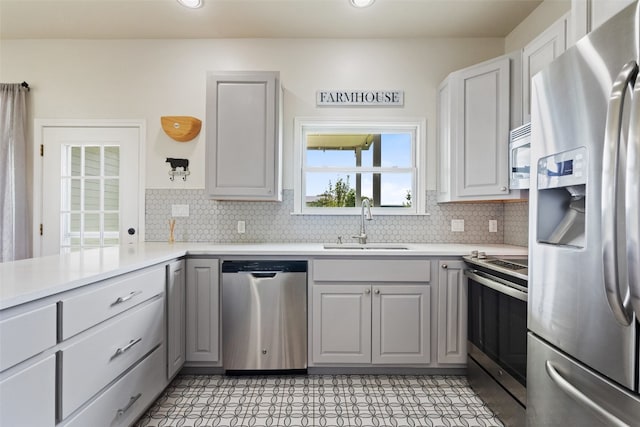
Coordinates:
x,y
14,227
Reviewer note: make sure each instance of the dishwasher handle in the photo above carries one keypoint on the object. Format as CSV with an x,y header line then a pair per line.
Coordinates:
x,y
264,274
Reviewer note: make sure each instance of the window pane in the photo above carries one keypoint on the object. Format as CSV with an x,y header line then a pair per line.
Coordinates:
x,y
395,190
396,150
74,202
111,161
76,156
92,161
111,223
367,150
330,190
91,194
111,194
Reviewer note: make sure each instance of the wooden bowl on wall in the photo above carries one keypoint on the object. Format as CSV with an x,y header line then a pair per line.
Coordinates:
x,y
181,128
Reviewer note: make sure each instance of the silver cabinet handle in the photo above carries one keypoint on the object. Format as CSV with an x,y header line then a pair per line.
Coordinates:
x,y
367,291
132,400
445,266
124,349
580,397
377,291
632,207
120,300
609,199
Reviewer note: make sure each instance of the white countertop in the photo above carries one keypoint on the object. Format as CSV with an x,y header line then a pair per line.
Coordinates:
x,y
32,279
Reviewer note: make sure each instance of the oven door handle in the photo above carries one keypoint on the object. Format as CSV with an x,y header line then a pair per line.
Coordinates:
x,y
496,286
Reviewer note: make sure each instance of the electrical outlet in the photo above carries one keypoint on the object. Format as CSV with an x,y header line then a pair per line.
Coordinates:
x,y
241,227
457,225
179,210
493,226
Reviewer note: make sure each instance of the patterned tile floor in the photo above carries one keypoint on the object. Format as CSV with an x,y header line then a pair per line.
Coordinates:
x,y
319,400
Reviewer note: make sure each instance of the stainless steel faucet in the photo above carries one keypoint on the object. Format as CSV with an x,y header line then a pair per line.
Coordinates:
x,y
362,237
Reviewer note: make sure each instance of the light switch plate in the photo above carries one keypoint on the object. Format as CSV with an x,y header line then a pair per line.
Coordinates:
x,y
493,226
457,225
241,227
179,210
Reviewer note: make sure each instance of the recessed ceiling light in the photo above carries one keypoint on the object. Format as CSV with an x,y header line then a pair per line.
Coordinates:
x,y
193,4
361,3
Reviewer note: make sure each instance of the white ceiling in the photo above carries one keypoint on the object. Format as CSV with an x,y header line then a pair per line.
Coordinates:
x,y
102,19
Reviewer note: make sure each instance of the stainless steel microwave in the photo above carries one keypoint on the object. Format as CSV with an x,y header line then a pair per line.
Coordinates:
x,y
520,157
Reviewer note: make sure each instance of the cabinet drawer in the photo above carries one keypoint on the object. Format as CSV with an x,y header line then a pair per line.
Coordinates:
x,y
108,298
371,270
38,325
94,361
28,397
125,400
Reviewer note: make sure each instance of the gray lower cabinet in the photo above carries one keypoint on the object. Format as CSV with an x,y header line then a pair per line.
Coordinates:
x,y
452,313
401,324
203,314
363,324
176,317
342,323
28,394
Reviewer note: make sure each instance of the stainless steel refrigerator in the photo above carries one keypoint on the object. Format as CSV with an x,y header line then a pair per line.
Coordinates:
x,y
584,253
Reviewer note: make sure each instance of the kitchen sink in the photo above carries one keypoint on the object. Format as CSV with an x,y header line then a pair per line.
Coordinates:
x,y
366,246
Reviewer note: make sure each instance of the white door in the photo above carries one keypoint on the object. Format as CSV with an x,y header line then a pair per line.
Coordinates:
x,y
90,187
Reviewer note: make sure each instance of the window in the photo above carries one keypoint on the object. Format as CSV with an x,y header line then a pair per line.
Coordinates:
x,y
341,163
90,197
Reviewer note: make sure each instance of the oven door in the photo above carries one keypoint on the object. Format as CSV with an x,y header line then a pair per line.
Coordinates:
x,y
497,330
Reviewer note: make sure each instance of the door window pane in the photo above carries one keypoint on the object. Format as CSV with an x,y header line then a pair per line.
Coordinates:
x,y
111,194
111,161
91,161
91,194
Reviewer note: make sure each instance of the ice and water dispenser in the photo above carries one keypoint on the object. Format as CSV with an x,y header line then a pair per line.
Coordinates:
x,y
562,185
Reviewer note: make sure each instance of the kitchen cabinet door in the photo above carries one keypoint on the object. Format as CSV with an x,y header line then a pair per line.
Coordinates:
x,y
452,313
587,15
341,319
539,53
176,320
474,116
28,394
401,324
203,311
243,160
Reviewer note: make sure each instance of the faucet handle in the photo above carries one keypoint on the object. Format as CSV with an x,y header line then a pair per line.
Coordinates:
x,y
339,240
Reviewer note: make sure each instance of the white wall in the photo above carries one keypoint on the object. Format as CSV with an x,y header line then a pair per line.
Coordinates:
x,y
146,79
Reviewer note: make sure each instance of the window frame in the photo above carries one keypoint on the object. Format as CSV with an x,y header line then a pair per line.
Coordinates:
x,y
415,126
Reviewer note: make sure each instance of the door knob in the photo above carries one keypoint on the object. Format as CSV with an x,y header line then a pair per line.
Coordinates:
x,y
377,291
131,231
367,291
445,266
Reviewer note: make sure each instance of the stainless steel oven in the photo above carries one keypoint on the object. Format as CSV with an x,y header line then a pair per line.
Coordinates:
x,y
497,334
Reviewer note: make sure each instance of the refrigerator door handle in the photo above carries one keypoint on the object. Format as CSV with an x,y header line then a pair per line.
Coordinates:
x,y
632,204
580,397
609,193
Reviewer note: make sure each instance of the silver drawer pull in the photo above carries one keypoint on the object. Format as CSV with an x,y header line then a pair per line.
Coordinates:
x,y
129,405
120,300
125,348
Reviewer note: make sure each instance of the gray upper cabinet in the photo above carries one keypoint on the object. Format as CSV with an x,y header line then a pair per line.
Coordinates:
x,y
539,53
474,118
176,300
203,313
587,15
243,160
452,313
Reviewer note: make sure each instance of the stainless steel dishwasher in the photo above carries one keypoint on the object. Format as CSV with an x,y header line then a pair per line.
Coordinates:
x,y
264,315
